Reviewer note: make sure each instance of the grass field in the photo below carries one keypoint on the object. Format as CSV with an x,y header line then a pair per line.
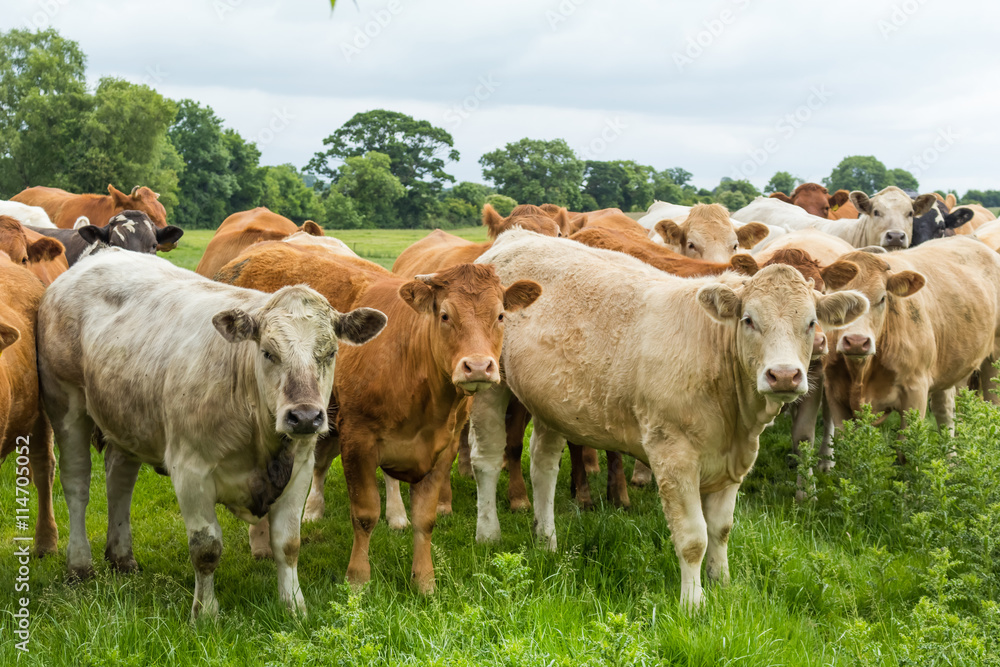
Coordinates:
x,y
886,565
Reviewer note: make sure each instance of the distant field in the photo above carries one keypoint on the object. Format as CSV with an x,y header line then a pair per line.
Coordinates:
x,y
381,246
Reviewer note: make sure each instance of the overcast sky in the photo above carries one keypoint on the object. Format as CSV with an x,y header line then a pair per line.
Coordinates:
x,y
737,88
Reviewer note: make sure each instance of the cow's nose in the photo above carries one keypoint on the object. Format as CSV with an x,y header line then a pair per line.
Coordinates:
x,y
783,378
856,345
304,420
895,238
477,369
819,343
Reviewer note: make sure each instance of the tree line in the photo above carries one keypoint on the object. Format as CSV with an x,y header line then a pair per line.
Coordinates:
x,y
381,169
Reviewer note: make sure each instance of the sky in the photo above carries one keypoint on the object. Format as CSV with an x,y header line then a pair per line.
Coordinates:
x,y
737,88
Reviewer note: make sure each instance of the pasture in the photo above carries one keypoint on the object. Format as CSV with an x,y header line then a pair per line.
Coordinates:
x,y
887,564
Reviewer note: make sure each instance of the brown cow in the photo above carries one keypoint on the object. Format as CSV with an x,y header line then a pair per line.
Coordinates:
x,y
817,200
607,218
43,256
23,427
243,229
935,318
402,400
65,208
708,233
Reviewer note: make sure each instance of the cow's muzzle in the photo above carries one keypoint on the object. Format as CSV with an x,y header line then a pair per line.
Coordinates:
x,y
784,382
895,240
855,345
820,346
303,419
476,373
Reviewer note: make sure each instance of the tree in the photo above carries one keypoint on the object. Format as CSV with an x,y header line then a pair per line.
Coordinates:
x,y
665,189
502,204
679,176
244,165
414,148
43,104
858,172
902,179
782,181
988,198
534,171
622,184
285,193
206,185
374,190
339,212
472,193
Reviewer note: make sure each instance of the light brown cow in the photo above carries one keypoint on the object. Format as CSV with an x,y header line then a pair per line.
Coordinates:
x,y
990,234
24,430
402,400
43,256
607,218
709,234
243,229
65,208
949,202
980,216
935,318
817,200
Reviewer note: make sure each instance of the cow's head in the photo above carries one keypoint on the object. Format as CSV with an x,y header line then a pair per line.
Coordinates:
x,y
525,216
296,335
802,262
467,305
14,241
140,199
870,275
709,234
937,222
814,198
775,314
887,217
131,230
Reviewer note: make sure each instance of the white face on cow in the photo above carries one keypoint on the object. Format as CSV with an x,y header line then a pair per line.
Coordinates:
x,y
887,217
776,313
708,233
296,335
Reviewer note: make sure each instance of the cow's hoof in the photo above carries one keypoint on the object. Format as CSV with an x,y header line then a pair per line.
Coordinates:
x,y
43,549
641,475
80,573
825,466
398,523
586,505
520,504
124,565
424,583
485,535
444,509
262,552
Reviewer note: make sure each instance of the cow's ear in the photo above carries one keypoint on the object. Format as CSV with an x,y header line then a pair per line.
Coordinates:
x,y
311,228
873,249
670,232
360,325
751,234
905,283
577,224
94,234
839,274
861,202
169,234
922,204
950,200
744,263
840,308
418,295
492,220
44,249
521,294
120,198
839,198
958,217
8,336
781,196
237,325
719,301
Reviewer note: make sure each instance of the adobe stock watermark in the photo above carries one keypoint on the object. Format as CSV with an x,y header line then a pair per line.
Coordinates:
x,y
364,34
280,121
900,15
22,543
712,29
459,113
47,9
943,141
154,76
784,129
612,130
224,7
562,12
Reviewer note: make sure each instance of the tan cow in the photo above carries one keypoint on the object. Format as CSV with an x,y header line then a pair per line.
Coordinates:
x,y
935,318
226,392
817,200
681,373
980,216
709,234
241,230
24,431
989,234
44,257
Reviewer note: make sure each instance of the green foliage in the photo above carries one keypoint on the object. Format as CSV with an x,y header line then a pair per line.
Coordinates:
x,y
287,194
206,185
534,171
858,172
502,203
373,189
988,198
734,195
472,193
782,181
902,179
620,184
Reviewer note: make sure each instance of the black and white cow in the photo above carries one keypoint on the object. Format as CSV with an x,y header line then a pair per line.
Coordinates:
x,y
129,230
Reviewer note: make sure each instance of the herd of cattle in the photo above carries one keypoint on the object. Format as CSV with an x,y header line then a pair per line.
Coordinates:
x,y
662,339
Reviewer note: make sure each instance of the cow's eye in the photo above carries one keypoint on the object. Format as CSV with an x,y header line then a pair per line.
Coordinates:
x,y
812,325
876,214
444,317
736,246
747,321
24,261
690,246
911,214
881,301
270,357
500,318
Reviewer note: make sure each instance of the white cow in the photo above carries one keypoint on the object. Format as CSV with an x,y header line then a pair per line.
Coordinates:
x,y
26,215
661,210
224,389
683,374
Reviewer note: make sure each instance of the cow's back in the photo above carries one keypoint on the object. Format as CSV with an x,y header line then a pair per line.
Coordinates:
x,y
238,232
435,252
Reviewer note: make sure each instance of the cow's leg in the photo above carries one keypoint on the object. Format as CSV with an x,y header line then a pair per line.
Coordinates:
x,y
395,511
444,499
517,492
912,398
360,463
989,389
943,409
675,467
424,496
591,461
579,485
826,461
260,539
617,486
804,423
74,429
487,436
465,454
546,450
196,496
121,472
642,475
327,449
718,508
285,528
42,462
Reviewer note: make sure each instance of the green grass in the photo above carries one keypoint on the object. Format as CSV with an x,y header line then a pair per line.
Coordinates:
x,y
859,575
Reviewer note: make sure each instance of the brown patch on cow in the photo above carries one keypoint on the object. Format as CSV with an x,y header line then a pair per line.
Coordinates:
x,y
694,552
291,550
800,260
724,534
206,551
914,312
659,256
266,485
